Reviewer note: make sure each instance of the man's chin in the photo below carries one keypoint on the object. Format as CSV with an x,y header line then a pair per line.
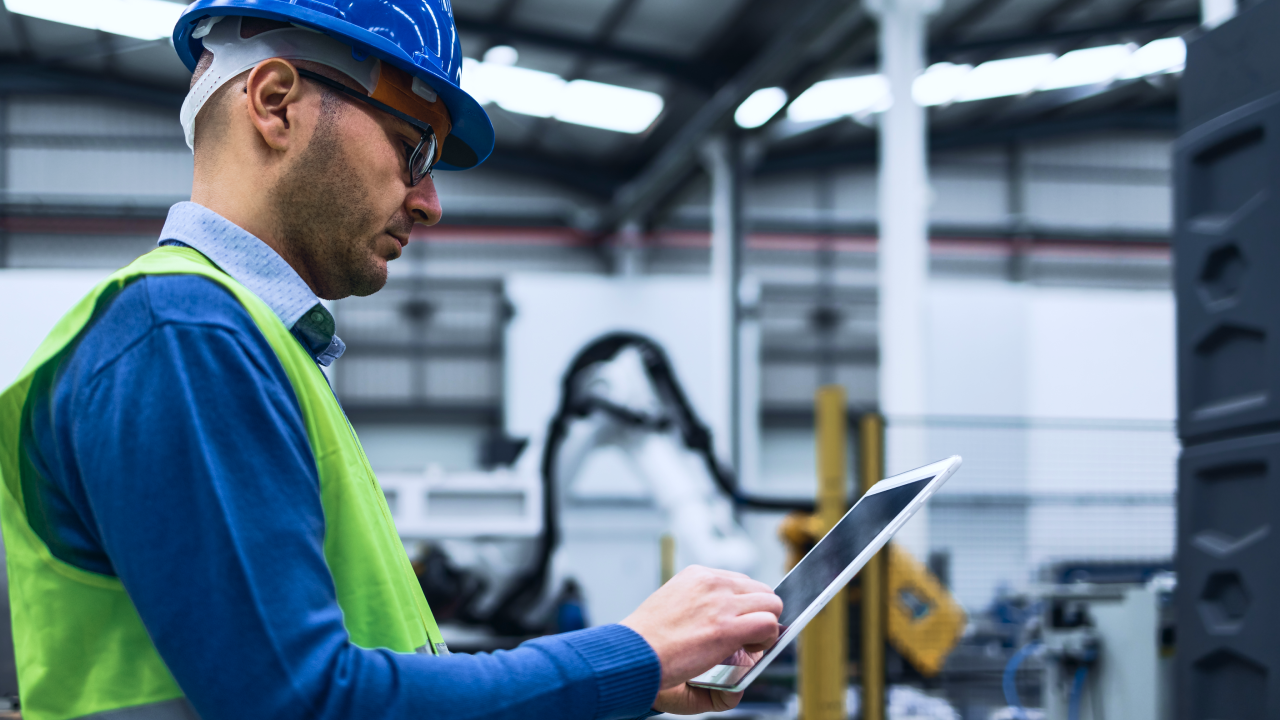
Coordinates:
x,y
373,281
367,281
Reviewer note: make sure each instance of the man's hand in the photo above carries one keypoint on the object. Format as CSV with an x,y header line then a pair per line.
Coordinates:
x,y
696,620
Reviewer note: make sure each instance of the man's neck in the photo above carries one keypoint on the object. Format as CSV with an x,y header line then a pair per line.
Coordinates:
x,y
250,210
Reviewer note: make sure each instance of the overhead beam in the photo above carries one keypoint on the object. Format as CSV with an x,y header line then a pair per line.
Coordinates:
x,y
949,51
28,78
676,69
594,181
969,17
773,65
1162,118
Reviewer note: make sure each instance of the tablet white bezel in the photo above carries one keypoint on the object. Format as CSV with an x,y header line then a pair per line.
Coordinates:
x,y
939,471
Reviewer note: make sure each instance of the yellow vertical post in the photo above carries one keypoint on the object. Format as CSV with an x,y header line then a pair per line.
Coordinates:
x,y
824,651
874,576
667,557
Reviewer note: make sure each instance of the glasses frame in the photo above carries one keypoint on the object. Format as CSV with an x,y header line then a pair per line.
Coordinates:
x,y
427,144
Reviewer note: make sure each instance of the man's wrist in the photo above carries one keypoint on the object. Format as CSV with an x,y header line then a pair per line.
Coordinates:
x,y
627,670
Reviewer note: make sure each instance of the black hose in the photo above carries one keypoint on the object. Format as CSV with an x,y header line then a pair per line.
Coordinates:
x,y
510,614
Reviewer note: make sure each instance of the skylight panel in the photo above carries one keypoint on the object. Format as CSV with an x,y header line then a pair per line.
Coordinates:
x,y
142,19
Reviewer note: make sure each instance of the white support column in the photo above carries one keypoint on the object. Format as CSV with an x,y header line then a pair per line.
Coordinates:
x,y
1215,12
722,157
904,248
4,177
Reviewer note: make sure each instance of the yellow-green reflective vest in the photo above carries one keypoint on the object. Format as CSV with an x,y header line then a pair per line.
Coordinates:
x,y
82,649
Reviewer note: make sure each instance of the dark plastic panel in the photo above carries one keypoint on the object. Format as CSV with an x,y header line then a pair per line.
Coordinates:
x,y
1227,273
1231,66
1227,281
1228,564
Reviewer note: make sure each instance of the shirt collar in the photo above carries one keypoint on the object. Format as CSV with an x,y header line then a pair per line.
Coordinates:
x,y
261,270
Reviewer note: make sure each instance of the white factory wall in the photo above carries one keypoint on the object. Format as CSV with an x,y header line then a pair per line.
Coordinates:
x,y
1099,184
1062,402
31,302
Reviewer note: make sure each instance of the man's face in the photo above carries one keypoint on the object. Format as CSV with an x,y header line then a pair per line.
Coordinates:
x,y
345,205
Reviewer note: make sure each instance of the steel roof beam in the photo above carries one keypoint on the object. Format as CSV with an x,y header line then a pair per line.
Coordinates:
x,y
774,64
948,51
1160,118
24,78
969,17
677,69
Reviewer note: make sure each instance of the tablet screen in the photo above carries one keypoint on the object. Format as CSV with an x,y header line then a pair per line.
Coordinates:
x,y
838,548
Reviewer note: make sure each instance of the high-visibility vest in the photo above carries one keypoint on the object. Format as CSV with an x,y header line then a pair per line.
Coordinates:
x,y
81,646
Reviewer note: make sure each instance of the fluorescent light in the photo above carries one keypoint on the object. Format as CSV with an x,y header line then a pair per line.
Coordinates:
x,y
760,107
543,94
142,19
501,55
515,89
830,99
999,78
939,83
609,107
1086,67
1158,56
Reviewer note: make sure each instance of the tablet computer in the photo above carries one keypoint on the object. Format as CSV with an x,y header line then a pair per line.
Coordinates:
x,y
833,562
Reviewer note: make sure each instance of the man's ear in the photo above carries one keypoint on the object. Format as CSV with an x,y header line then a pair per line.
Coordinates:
x,y
274,90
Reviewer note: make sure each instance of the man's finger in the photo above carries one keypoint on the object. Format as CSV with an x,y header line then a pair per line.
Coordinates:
x,y
757,628
747,603
736,581
745,584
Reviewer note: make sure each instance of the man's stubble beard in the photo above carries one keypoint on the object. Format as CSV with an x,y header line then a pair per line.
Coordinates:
x,y
326,223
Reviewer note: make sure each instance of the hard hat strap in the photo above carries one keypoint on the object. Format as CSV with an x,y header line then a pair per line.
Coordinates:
x,y
234,54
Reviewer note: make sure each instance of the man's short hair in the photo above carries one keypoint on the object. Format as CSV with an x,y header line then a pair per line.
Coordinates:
x,y
211,123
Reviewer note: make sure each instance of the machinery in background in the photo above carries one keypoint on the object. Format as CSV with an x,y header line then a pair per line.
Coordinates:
x,y
1106,650
488,541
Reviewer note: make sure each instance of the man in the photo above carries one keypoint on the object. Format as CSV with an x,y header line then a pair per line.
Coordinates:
x,y
190,525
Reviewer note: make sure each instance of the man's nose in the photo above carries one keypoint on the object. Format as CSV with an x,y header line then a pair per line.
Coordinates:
x,y
422,203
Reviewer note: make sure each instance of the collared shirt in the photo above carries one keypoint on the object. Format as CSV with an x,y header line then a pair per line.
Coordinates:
x,y
258,267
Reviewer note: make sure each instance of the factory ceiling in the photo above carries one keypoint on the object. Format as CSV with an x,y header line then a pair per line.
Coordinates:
x,y
696,63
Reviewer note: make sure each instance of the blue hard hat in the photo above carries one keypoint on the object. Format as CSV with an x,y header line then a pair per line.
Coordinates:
x,y
417,36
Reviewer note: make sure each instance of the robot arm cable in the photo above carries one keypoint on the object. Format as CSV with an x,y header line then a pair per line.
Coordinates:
x,y
510,613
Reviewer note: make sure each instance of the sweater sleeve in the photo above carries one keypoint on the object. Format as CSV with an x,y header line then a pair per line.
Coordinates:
x,y
186,442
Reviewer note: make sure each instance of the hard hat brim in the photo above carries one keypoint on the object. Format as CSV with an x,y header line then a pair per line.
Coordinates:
x,y
471,140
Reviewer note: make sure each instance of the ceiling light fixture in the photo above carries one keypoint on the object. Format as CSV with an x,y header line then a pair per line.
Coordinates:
x,y
1001,78
142,19
609,107
1167,55
831,99
547,95
760,107
1090,66
939,83
501,55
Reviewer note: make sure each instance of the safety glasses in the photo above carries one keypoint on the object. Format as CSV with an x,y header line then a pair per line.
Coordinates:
x,y
421,158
